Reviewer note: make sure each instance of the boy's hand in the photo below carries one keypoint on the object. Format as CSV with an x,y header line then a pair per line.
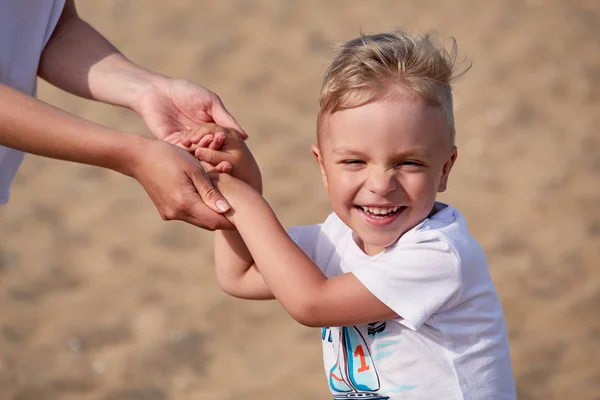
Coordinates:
x,y
213,137
223,148
203,135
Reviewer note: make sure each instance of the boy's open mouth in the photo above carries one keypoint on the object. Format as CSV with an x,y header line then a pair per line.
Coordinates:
x,y
380,212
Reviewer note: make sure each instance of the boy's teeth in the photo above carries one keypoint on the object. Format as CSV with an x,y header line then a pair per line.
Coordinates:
x,y
379,210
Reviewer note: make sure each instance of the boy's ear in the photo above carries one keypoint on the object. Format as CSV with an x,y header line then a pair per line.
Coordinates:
x,y
317,153
446,170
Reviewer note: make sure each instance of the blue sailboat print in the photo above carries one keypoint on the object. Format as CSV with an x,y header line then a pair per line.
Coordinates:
x,y
354,375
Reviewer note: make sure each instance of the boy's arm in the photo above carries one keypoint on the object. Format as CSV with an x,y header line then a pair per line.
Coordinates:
x,y
236,272
302,289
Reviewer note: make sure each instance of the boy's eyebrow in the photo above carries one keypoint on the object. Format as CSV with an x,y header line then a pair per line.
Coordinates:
x,y
345,151
422,152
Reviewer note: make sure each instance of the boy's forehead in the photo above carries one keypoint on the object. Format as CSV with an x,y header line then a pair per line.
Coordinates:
x,y
400,116
344,149
401,100
395,93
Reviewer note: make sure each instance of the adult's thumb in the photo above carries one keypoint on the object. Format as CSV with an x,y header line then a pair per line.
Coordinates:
x,y
222,117
208,193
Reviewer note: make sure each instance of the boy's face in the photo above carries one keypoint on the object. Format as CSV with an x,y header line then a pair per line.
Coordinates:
x,y
383,164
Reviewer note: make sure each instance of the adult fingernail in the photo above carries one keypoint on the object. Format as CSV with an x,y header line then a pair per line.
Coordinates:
x,y
222,205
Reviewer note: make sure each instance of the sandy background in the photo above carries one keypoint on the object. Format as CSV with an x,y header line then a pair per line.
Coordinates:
x,y
101,299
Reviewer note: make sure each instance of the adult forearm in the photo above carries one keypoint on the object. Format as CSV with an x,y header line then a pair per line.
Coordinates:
x,y
80,60
32,126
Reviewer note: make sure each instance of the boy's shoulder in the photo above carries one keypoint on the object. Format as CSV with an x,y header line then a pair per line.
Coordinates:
x,y
447,224
442,239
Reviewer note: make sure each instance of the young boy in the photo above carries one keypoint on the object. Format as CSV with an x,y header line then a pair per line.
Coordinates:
x,y
400,288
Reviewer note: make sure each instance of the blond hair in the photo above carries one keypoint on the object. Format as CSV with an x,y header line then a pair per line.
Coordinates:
x,y
368,64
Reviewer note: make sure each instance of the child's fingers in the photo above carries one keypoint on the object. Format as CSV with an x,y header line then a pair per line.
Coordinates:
x,y
195,134
218,141
207,155
205,141
188,139
191,146
224,167
213,157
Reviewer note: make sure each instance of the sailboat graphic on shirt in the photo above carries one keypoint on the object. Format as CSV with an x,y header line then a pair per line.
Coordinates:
x,y
354,376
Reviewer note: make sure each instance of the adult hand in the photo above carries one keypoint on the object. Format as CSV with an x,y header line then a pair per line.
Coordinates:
x,y
178,185
171,106
168,108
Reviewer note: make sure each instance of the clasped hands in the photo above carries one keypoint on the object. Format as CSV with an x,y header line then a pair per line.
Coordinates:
x,y
223,154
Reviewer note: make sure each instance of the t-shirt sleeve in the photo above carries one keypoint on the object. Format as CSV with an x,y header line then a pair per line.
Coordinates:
x,y
414,280
306,237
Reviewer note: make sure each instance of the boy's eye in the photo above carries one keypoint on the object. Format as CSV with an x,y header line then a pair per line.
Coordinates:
x,y
351,162
409,163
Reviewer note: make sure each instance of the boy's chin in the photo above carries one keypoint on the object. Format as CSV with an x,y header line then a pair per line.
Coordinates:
x,y
378,242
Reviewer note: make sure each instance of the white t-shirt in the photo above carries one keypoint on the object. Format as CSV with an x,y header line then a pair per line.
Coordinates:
x,y
450,341
25,28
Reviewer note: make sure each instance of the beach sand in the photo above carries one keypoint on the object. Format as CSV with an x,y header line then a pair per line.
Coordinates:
x,y
101,299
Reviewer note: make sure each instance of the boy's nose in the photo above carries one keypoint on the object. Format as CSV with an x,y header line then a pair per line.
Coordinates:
x,y
381,181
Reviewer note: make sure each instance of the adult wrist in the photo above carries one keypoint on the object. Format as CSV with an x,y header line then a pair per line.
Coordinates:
x,y
126,156
144,83
118,81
